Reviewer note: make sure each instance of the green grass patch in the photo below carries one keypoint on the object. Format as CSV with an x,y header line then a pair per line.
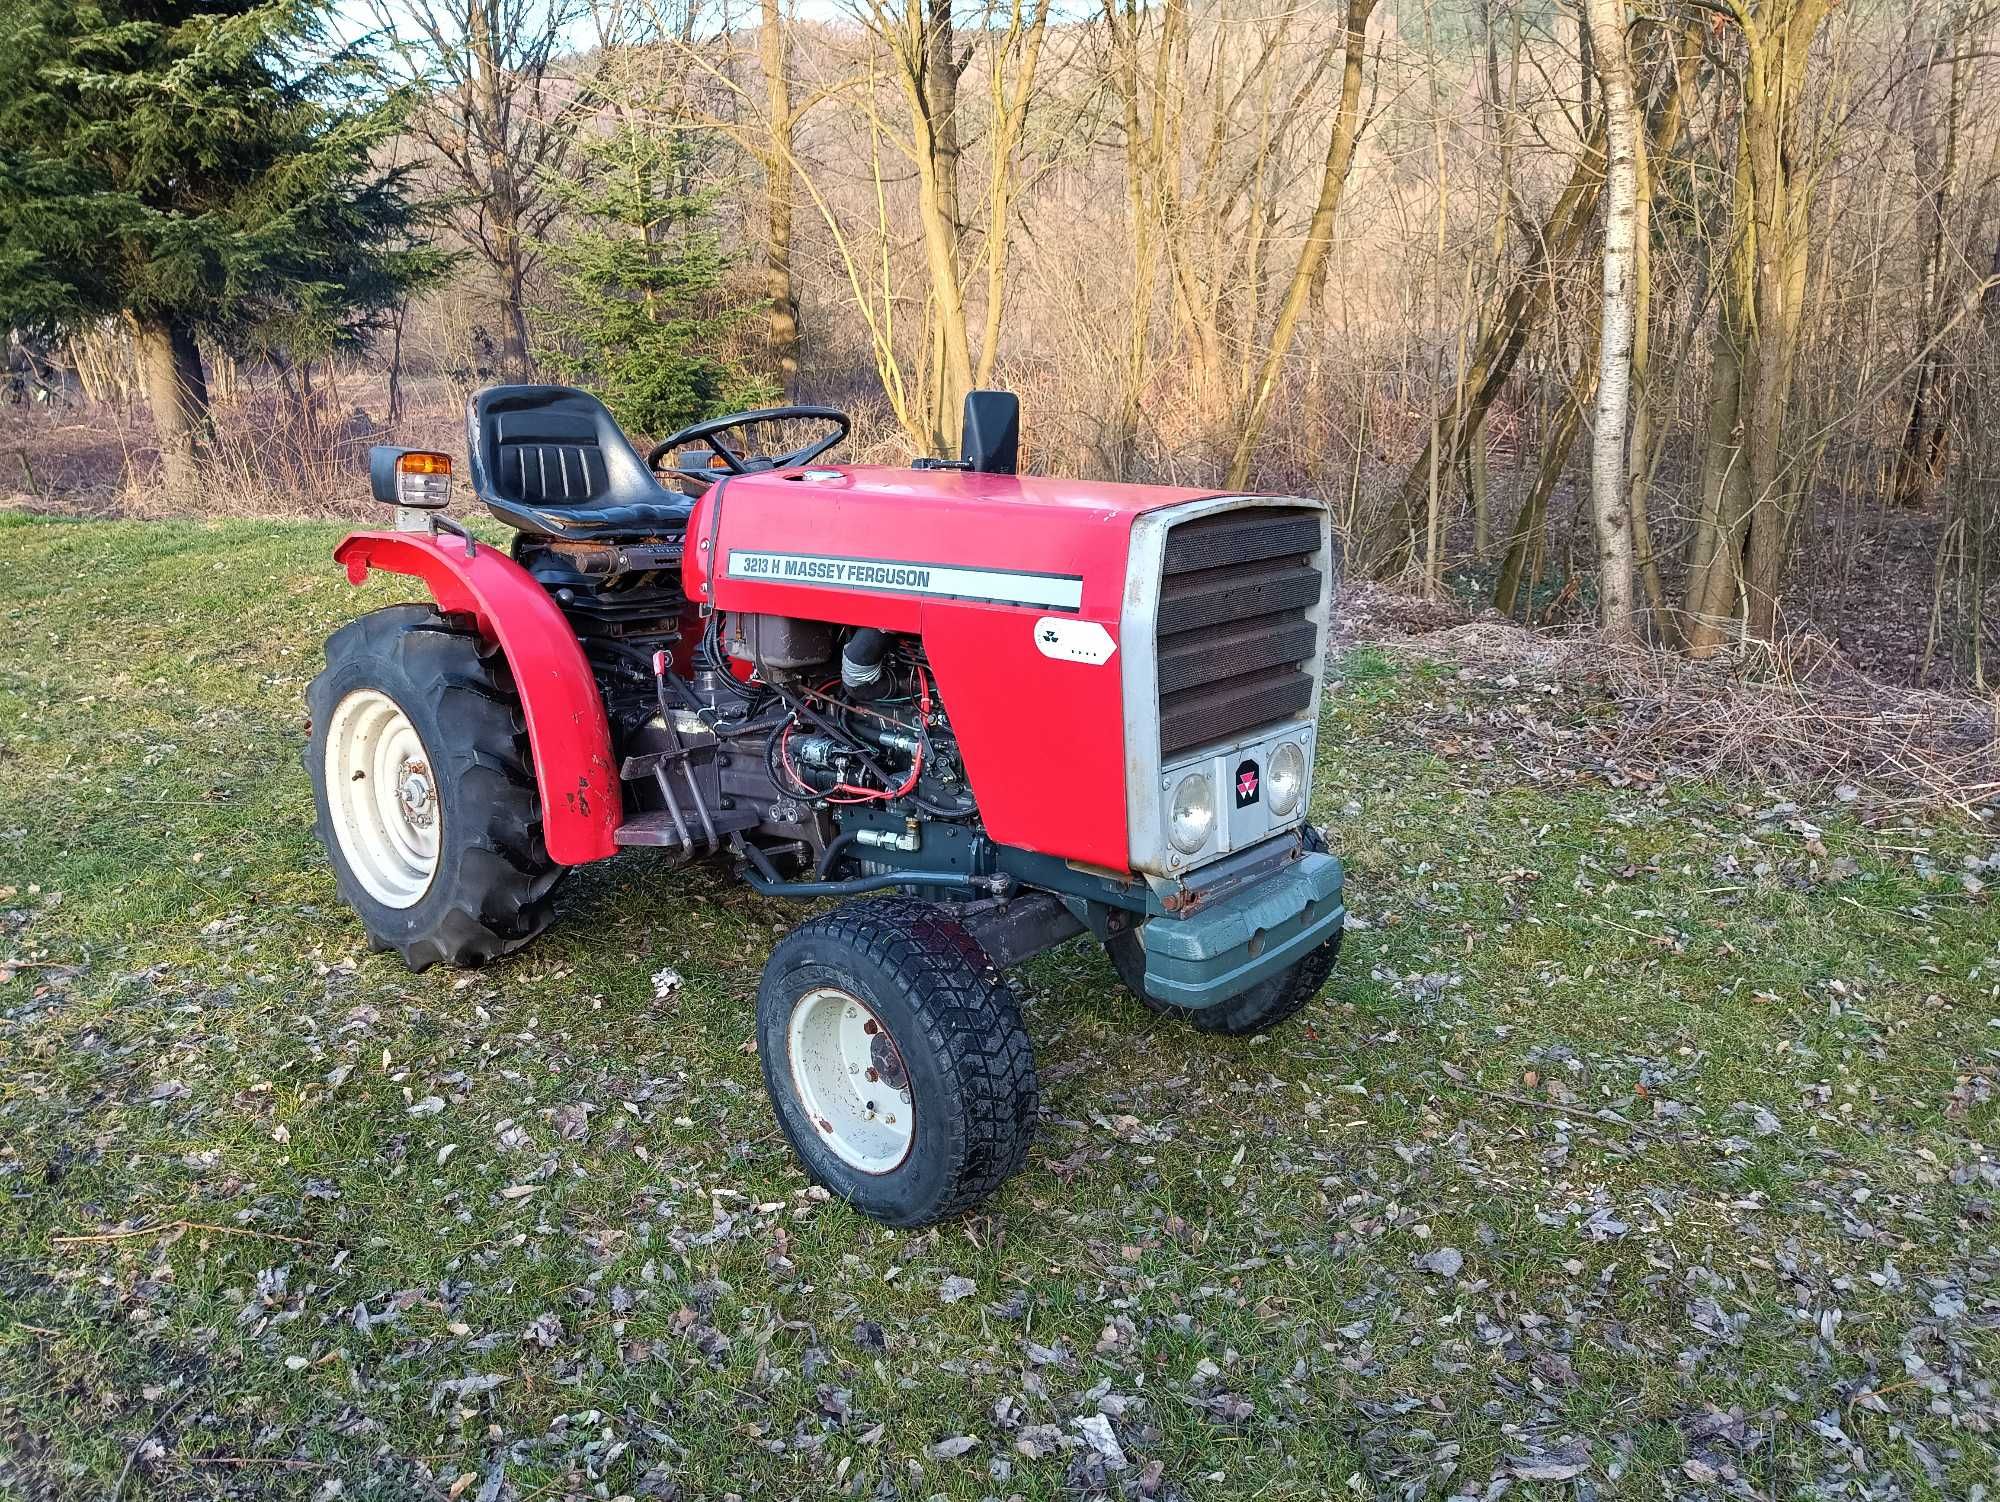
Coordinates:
x,y
1643,1139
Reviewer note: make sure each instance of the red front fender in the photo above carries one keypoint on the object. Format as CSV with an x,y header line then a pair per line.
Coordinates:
x,y
567,733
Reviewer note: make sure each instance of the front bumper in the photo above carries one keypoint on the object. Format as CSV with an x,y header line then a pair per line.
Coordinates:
x,y
1227,946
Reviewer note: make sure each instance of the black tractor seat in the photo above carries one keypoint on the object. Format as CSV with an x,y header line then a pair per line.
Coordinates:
x,y
549,460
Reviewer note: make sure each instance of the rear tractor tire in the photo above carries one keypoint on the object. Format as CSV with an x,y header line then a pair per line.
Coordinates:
x,y
897,1061
1271,1001
426,801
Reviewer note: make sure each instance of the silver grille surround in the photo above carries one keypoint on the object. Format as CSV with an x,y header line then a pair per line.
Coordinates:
x,y
1149,783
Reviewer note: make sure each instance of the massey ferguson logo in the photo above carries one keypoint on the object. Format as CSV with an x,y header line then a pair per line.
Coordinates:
x,y
1246,784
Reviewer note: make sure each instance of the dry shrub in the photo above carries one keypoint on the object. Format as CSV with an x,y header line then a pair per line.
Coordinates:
x,y
276,454
275,457
1797,711
1794,712
1366,611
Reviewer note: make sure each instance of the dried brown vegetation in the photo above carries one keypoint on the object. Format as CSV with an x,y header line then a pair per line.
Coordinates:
x,y
1795,714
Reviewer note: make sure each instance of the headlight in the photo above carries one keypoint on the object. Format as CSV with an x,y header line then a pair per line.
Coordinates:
x,y
1285,778
1193,813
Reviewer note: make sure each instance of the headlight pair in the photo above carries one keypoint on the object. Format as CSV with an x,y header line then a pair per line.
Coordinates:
x,y
1191,815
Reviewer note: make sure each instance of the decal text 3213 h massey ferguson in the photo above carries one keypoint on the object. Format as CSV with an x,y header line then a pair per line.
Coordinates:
x,y
898,576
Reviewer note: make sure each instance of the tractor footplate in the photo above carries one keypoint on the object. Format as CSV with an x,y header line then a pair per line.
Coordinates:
x,y
660,830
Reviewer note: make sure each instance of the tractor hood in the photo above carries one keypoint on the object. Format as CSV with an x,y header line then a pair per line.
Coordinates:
x,y
1014,540
1021,589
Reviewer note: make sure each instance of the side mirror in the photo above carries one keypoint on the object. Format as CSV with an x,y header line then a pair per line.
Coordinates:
x,y
992,441
411,480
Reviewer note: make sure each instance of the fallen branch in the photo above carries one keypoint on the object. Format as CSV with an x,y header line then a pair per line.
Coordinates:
x,y
82,1239
1602,1115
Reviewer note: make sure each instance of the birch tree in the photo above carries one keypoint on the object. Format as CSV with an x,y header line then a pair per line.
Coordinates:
x,y
1610,488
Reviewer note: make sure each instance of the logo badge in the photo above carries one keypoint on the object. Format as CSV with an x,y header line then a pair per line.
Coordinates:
x,y
1069,640
1246,784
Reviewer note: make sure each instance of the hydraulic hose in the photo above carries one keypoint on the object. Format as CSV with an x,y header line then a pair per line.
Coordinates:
x,y
764,878
836,848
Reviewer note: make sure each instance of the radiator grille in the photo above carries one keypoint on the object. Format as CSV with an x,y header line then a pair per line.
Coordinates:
x,y
1236,635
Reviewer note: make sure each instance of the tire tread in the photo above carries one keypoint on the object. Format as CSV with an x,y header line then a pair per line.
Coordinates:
x,y
502,899
970,1020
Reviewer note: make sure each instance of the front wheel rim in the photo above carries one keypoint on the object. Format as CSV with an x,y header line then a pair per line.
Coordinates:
x,y
382,795
850,1080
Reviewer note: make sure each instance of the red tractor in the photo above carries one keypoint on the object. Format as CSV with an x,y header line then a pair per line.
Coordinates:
x,y
992,710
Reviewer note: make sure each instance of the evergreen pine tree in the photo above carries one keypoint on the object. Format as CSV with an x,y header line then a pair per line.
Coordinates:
x,y
197,166
644,318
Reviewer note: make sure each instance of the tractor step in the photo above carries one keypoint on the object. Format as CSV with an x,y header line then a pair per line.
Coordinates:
x,y
657,829
649,829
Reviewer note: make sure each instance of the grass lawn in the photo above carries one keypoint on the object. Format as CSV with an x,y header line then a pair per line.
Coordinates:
x,y
1643,1144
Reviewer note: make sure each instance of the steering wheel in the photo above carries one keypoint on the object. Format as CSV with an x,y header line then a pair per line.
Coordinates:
x,y
711,432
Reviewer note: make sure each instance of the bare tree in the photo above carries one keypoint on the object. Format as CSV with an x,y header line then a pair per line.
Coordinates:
x,y
503,104
1750,511
918,37
1319,237
1123,20
1017,56
781,292
1920,465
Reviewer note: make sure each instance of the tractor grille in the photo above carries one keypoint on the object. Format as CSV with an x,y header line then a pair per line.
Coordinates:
x,y
1236,634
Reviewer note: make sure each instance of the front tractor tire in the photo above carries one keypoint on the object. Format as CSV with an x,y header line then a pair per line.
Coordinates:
x,y
426,801
897,1061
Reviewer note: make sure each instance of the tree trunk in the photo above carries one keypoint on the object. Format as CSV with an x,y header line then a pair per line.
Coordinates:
x,y
1319,238
1921,463
1782,187
1139,216
780,292
952,375
511,310
941,73
1610,492
503,195
1713,566
1532,520
396,366
1478,482
1639,454
177,389
929,79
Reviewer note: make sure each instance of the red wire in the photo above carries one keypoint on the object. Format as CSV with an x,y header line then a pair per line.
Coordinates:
x,y
862,794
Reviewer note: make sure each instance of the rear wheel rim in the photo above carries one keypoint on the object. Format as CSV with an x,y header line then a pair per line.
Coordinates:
x,y
850,1080
383,798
